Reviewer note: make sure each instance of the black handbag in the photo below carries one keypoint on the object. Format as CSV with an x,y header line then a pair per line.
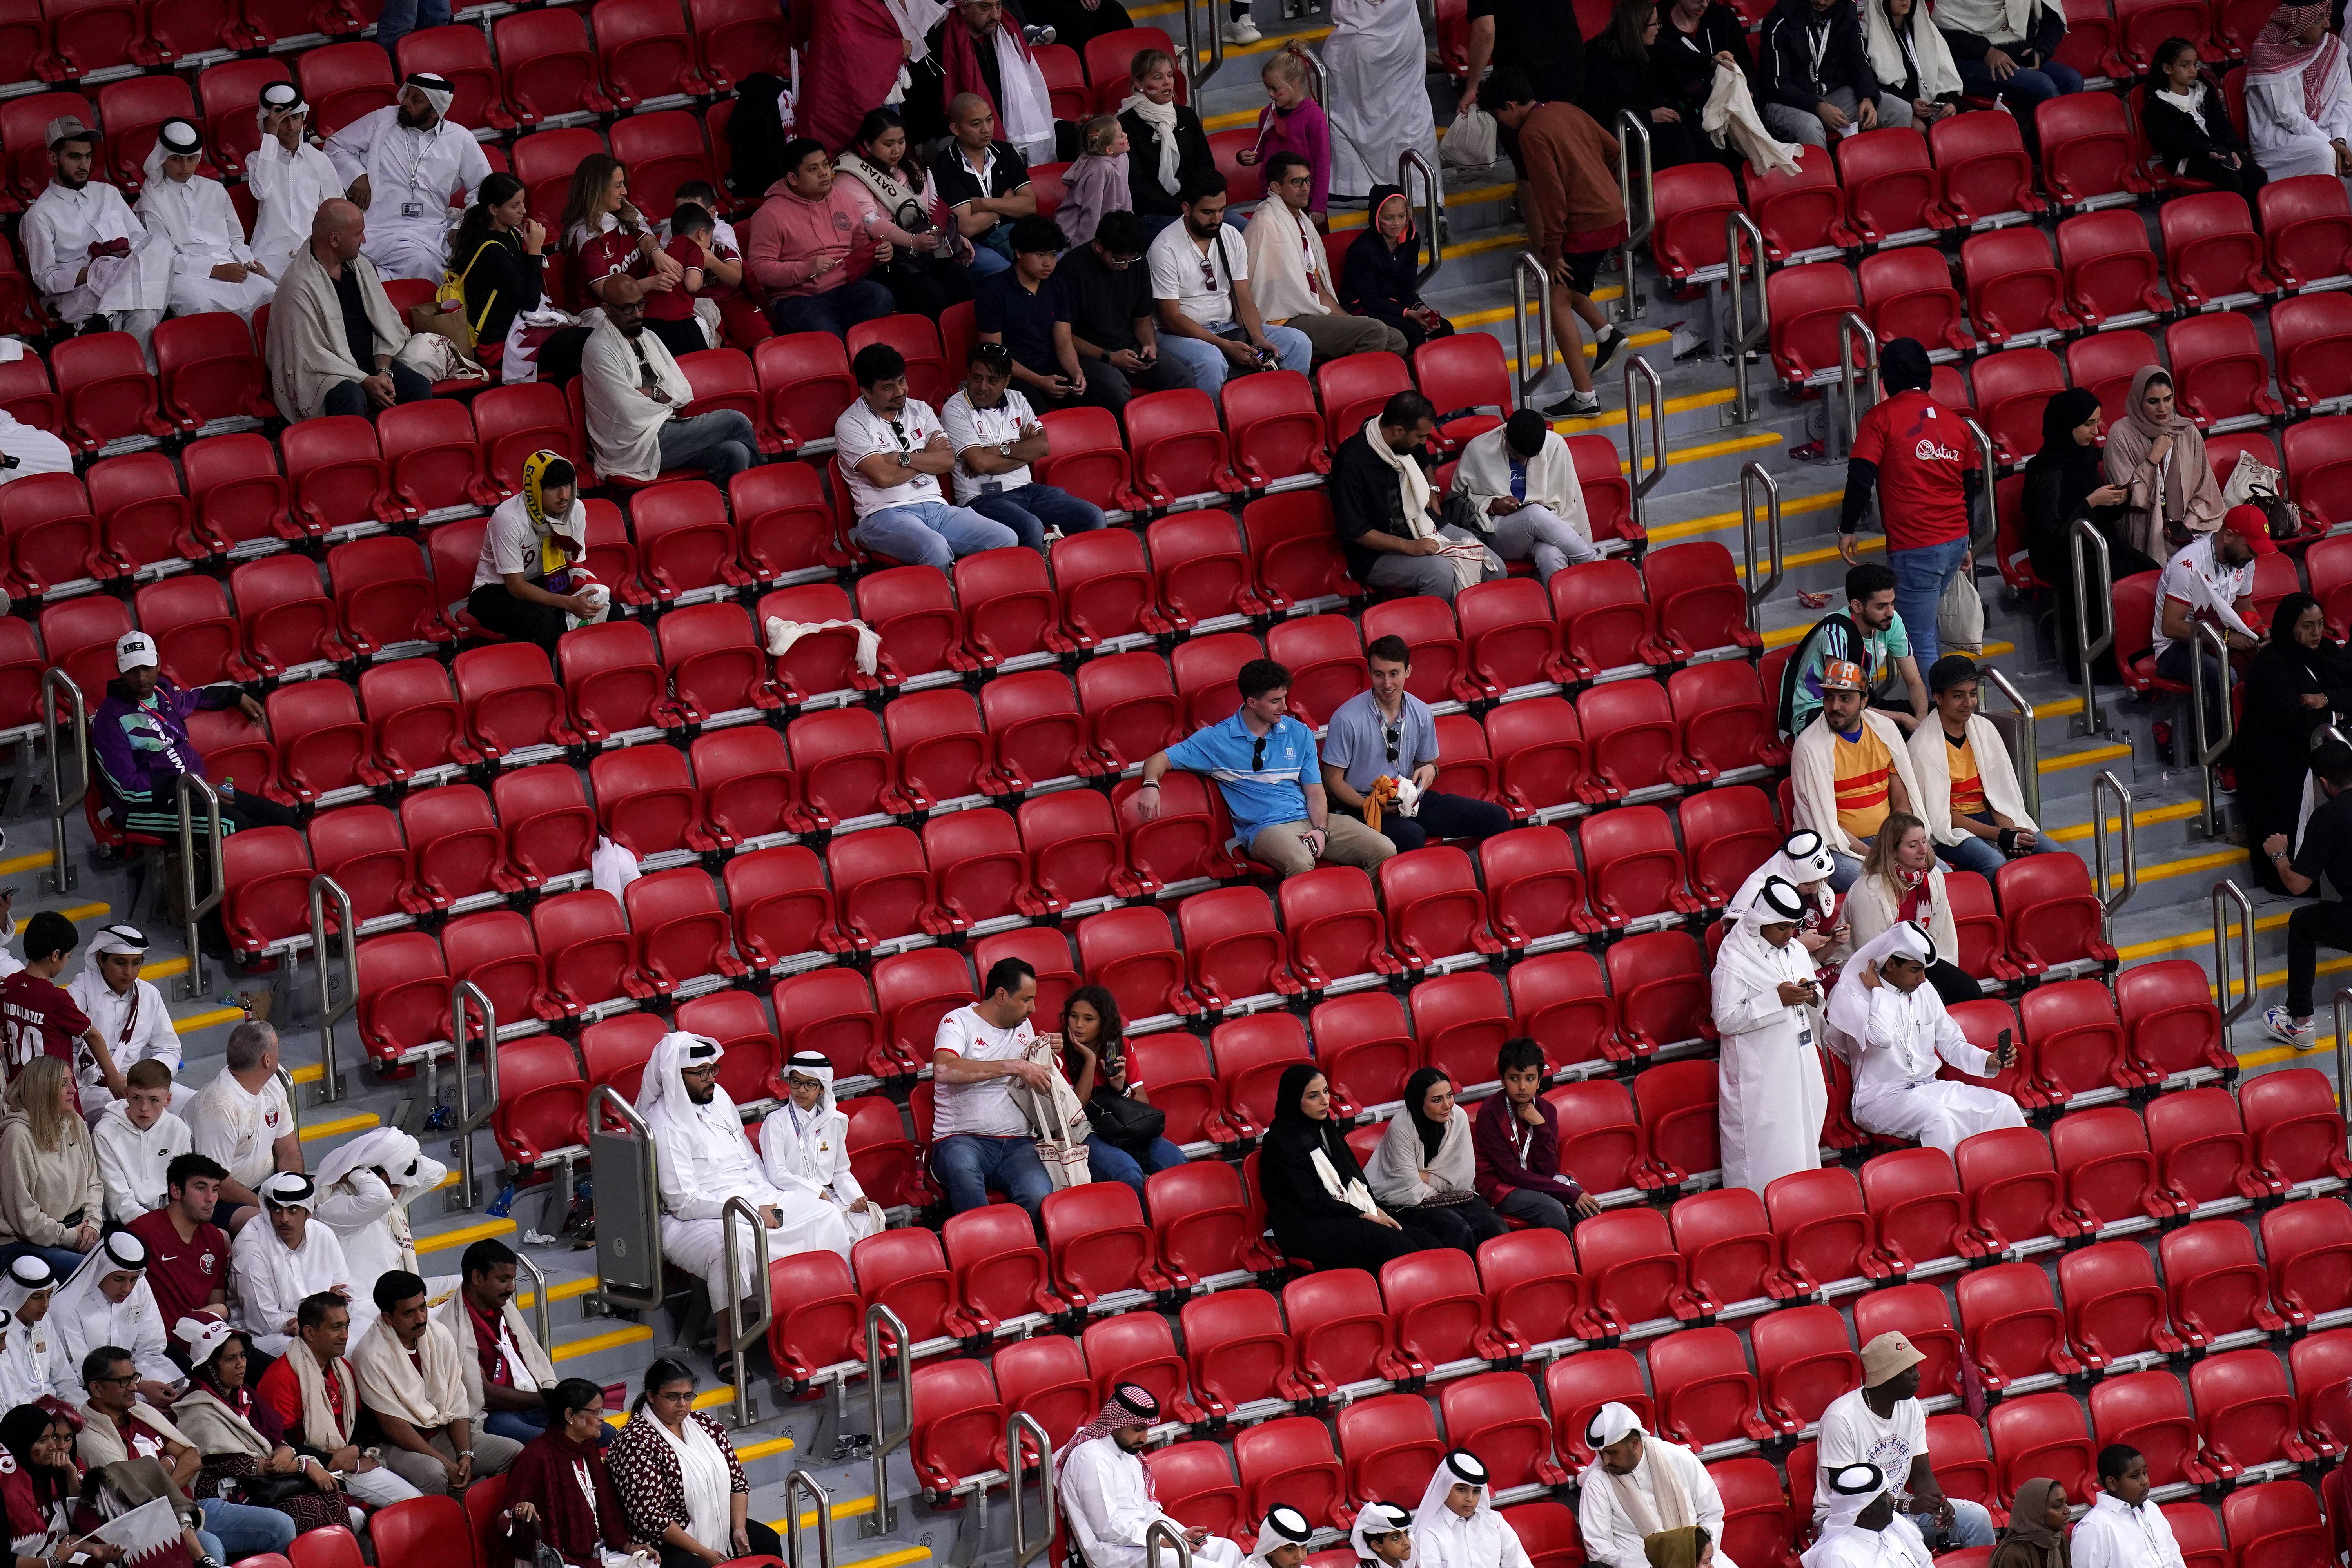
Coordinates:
x,y
1124,1123
268,1492
2278,513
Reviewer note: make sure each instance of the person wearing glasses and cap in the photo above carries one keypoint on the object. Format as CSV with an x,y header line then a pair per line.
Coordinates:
x,y
1456,1525
289,175
130,1012
1883,1423
1106,1491
1849,770
805,1145
96,264
1860,1526
1889,1023
212,266
1638,1486
139,737
1771,1096
273,1266
403,163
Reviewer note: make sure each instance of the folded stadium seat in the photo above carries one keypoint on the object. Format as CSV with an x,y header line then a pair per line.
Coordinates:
x,y
1676,1103
1727,1244
2041,1435
207,369
542,1100
822,658
1606,622
1185,840
2212,252
459,851
1204,1228
907,1271
1100,1245
715,662
1133,953
550,830
913,611
1297,556
2313,339
1389,1443
2115,1307
2011,388
496,953
1277,430
940,750
1577,1386
21,127
1177,1069
1821,1230
323,744
1726,722
1290,1462
344,82
1660,980
1464,767
2216,1284
1107,589
1608,494
2143,25
1075,849
1802,212
417,720
1804,1359
1601,1146
2134,600
1089,460
1637,872
1497,1415
1758,1520
2306,223
548,66
2013,1190
51,535
722,380
2091,41
1138,1348
1443,1317
1355,387
513,422
1107,59
2013,1324
266,888
2320,1365
1179,449
1559,999
591,956
1539,753
825,1010
978,867
2014,285
2319,469
2105,363
685,540
1010,607
1729,830
805,378
2111,269
385,593
2074,1044
1324,656
820,1318
1908,293
1198,1478
108,395
1892,189
432,457
1692,202
360,846
1706,1392
917,339
2297,1130
2149,1411
1343,1333
2276,1525
1700,603
1636,740
2169,1018
2090,151
511,698
1461,1020
461,54
1536,888
782,517
1065,81
2309,1248
1233,947
335,474
883,889
22,665
646,801
1985,169
1201,569
404,994
2246,1411
613,681
1920,1314
142,517
1509,636
684,933
2058,905
1436,907
2203,1153
890,1168
1039,730
1807,302
958,1423
195,634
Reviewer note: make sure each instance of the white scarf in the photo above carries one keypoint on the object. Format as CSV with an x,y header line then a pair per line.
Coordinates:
x,y
1414,485
1892,55
1397,1162
320,1428
1354,1194
1160,117
702,1478
426,1397
1485,476
1285,254
2190,104
1026,106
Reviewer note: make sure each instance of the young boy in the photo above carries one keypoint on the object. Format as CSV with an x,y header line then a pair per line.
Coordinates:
x,y
1516,1137
2123,1530
714,280
700,193
127,1010
138,1138
42,1020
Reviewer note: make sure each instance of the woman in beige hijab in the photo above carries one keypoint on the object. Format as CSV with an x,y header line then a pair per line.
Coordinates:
x,y
2154,452
2036,1536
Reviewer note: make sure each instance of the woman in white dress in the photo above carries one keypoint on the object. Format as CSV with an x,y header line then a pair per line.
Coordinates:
x,y
290,177
2299,96
1772,1096
1376,93
804,1144
212,266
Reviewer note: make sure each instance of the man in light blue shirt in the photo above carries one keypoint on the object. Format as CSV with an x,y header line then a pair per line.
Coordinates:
x,y
1264,763
1388,732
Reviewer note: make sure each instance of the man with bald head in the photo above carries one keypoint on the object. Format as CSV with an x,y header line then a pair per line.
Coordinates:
x,y
983,54
984,180
404,162
333,332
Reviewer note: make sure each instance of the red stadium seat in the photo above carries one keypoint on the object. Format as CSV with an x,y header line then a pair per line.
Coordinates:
x,y
1298,555
2011,388
1807,303
1354,388
458,851
1891,187
2307,226
2298,1131
2014,285
1986,172
2150,1412
1705,1394
2246,1411
2013,1325
2013,1189
2090,153
2111,269
2211,252
1914,1195
550,830
1660,981
1105,583
1010,607
1088,458
648,52
108,395
2216,1285
2115,1307
2041,1435
2276,1525
591,956
1800,212
1290,1462
1908,293
1692,201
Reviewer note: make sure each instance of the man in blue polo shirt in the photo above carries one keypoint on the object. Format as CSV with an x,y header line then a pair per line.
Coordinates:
x,y
1264,762
1387,733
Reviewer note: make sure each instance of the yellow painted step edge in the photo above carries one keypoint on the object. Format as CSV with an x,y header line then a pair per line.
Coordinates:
x,y
612,1339
314,1130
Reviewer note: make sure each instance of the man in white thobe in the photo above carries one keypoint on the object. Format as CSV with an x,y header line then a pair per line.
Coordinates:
x,y
108,1302
272,1267
212,266
364,1189
1771,1096
1107,1492
2123,1530
289,175
1638,1484
403,164
805,1145
1863,1529
705,1160
1376,73
1456,1525
1522,479
37,451
130,1012
88,253
1890,1026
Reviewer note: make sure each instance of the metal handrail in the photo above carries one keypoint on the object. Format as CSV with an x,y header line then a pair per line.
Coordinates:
x,y
542,1311
1632,129
1639,369
1195,74
1848,325
2226,891
330,1087
2090,721
605,1096
1026,1549
199,981
886,1440
1751,475
53,681
2028,752
2342,1064
1159,1530
1989,467
2111,900
1315,83
1531,371
796,1483
468,1117
1743,338
2209,750
1408,160
742,1335
293,1098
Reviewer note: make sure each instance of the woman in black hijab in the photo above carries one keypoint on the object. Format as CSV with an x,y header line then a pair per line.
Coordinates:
x,y
2062,482
1317,1201
2296,682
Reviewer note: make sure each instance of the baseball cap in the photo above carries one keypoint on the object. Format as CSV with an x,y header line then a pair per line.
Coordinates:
x,y
1952,669
68,127
1842,675
134,650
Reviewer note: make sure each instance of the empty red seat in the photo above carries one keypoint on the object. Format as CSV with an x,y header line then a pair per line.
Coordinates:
x,y
2149,1411
550,830
1706,1392
1105,582
1539,754
2013,1189
1986,171
2115,1305
1201,569
2041,1435
1799,212
1636,870
2090,153
1699,600
2211,252
1692,202
1298,555
2276,1525
1804,1359
1509,635
266,887
1633,1273
2221,372
109,394
1290,1462
1536,888
2012,1323
2246,1411
1892,189
2215,1282
1908,293
591,956
2308,225
1206,1227
1660,981
1807,304
2297,1130
2056,905
1728,1244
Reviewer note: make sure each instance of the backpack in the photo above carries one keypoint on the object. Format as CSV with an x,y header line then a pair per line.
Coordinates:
x,y
1848,639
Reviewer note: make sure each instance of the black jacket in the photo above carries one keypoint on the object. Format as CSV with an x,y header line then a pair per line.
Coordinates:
x,y
1682,65
1613,87
1143,159
1787,72
2049,27
1378,279
2174,135
1365,499
498,280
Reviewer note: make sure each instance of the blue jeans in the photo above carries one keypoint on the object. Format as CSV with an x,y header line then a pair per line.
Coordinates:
x,y
402,18
836,311
987,261
2173,665
722,444
1209,365
1983,855
235,1530
931,533
62,1260
1444,816
2024,90
1972,1526
1846,869
1921,576
350,397
521,1426
967,1163
1030,509
1106,1163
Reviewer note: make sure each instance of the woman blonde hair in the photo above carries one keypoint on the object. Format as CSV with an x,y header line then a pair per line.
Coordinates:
x,y
1146,62
1880,861
38,1090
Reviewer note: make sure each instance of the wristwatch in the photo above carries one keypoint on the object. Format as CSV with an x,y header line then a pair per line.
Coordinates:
x,y
1004,449
905,462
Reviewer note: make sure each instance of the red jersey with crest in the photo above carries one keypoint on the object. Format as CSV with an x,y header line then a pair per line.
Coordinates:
x,y
1922,450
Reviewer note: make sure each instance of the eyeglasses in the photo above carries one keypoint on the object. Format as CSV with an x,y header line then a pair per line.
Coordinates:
x,y
128,1377
1208,274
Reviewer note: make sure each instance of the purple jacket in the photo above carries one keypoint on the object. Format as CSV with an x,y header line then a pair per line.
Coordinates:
x,y
143,749
1306,131
1513,1155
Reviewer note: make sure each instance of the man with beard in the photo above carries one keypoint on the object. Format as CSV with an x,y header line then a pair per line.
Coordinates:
x,y
1209,320
1637,1486
893,449
403,164
94,262
1107,1493
315,1395
635,390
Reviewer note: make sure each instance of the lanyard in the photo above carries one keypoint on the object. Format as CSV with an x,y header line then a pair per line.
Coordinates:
x,y
1819,40
425,143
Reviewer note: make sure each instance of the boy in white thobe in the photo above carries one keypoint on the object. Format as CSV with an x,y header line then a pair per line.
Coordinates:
x,y
131,1013
1456,1525
212,266
1107,1492
1890,1026
1637,1486
288,177
805,1145
273,1266
88,253
412,161
2123,1530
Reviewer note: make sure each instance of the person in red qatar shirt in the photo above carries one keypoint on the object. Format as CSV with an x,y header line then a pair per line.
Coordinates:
x,y
1920,459
187,1254
315,1396
41,1019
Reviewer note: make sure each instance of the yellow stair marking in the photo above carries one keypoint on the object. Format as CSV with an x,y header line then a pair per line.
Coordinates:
x,y
563,1291
310,1072
765,1448
16,863
2059,708
849,1509
340,1125
1609,419
1869,543
72,913
164,968
628,1334
465,1236
1698,452
2173,812
897,1559
2188,867
2084,758
1715,522
211,1018
2157,947
1638,341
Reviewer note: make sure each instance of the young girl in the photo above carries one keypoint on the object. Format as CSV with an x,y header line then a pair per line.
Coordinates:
x,y
1380,278
1096,183
2189,125
1293,122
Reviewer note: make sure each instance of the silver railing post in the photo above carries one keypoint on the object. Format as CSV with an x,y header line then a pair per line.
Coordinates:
x,y
470,1116
2113,899
542,1311
2088,545
1532,370
199,981
1027,1548
1407,162
1160,1533
740,1334
1758,588
1630,130
2343,1043
1743,337
1654,396
1989,469
887,1438
1850,324
796,1484
54,681
2210,747
2027,752
602,1099
1315,83
1195,72
330,1082
2227,895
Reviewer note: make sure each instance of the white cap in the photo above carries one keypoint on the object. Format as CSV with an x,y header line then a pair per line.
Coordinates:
x,y
134,650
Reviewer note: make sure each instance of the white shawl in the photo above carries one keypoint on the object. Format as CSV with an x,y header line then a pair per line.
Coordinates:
x,y
1892,64
1468,562
1027,107
1485,476
212,1428
531,1370
1162,118
1730,118
1871,907
101,1443
83,1319
1812,777
427,1398
310,355
1398,1163
1931,765
704,1479
1286,259
320,1428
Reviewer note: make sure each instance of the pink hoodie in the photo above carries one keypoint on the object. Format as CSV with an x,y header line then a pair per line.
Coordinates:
x,y
789,233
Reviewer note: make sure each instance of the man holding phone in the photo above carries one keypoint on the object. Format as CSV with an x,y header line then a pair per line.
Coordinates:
x,y
1772,1097
996,438
1891,1026
1112,318
1026,310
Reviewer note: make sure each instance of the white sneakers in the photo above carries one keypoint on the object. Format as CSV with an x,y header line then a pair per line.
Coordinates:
x,y
1242,31
2285,1030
